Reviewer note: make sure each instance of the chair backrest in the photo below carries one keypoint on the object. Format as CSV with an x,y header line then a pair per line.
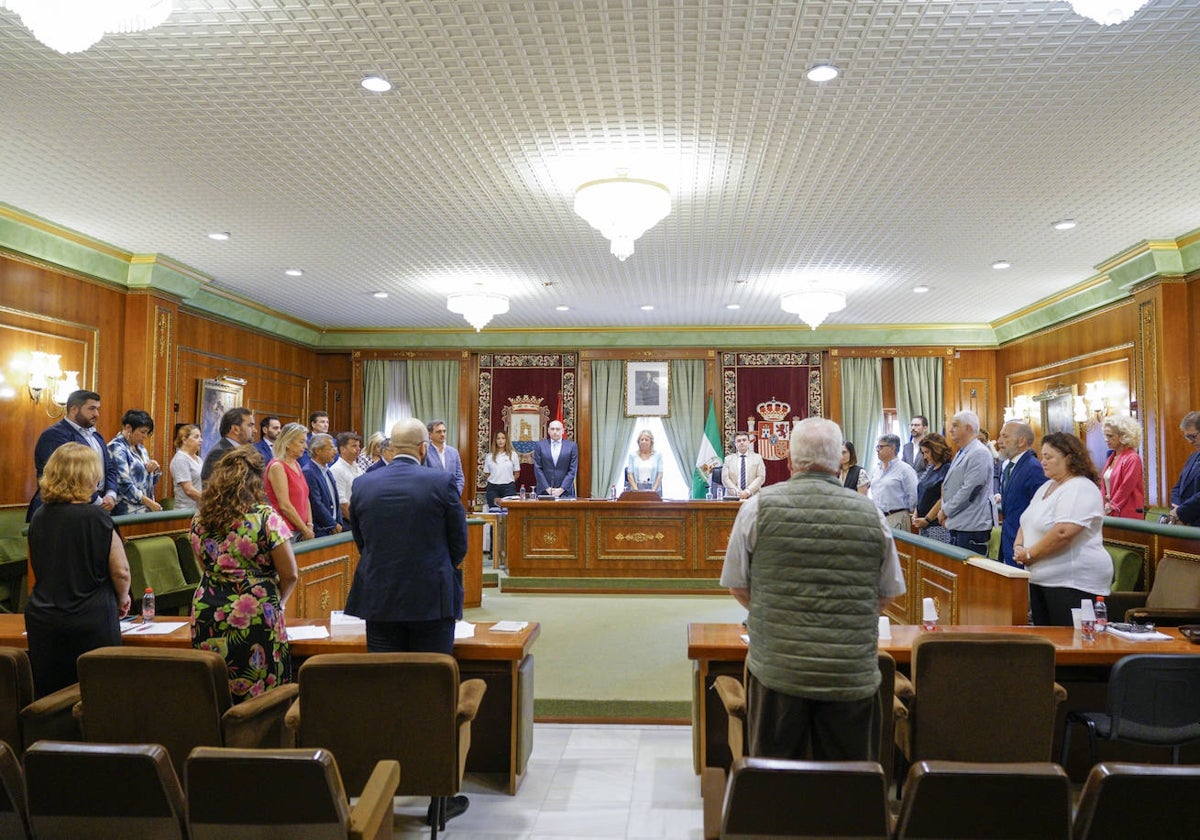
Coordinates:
x,y
154,562
102,790
1155,698
769,797
370,707
1121,801
953,799
14,821
16,692
1127,567
1176,584
291,793
173,697
982,697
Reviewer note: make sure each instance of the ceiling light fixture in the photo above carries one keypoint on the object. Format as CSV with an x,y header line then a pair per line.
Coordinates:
x,y
219,236
294,272
1064,224
813,305
733,306
822,73
920,290
1107,12
622,209
647,307
376,83
562,307
71,26
379,295
1001,264
477,306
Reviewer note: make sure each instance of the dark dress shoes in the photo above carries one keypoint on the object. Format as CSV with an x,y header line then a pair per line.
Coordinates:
x,y
455,806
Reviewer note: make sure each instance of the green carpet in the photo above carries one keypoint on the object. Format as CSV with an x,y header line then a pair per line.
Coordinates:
x,y
610,657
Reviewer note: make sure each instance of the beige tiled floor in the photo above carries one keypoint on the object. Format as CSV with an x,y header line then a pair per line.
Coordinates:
x,y
583,781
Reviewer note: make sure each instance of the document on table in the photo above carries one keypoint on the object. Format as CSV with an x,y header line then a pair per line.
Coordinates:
x,y
154,628
1153,636
510,626
464,630
306,631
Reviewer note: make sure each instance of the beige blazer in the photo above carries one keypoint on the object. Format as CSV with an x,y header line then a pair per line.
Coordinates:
x,y
756,473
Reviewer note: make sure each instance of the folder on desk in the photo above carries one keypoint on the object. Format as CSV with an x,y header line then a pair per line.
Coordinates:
x,y
510,626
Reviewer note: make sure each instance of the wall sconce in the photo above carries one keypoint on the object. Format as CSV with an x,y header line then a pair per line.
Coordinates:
x,y
49,386
1020,411
1099,401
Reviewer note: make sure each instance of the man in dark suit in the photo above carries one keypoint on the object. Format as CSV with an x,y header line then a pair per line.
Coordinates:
x,y
555,462
1020,479
268,430
323,495
77,426
918,427
1185,495
237,429
411,532
441,455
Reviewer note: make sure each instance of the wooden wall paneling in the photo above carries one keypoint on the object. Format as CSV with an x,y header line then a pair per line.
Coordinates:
x,y
977,369
973,395
148,342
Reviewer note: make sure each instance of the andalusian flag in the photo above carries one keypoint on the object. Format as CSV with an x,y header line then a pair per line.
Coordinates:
x,y
709,455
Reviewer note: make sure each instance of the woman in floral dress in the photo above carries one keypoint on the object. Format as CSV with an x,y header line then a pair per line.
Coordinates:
x,y
249,572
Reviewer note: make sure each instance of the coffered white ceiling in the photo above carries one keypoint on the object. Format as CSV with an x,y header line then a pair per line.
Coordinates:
x,y
956,134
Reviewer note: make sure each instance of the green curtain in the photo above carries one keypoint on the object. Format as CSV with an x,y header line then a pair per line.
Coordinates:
x,y
385,395
686,406
610,427
919,390
433,392
862,406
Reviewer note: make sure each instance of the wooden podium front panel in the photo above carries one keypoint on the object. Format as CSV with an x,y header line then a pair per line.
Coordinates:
x,y
550,539
323,586
715,522
641,544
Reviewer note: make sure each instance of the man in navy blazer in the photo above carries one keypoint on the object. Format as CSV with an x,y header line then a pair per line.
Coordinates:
x,y
1021,478
237,429
555,462
322,488
1185,495
77,426
441,455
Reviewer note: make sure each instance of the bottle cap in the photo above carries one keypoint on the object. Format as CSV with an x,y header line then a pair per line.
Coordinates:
x,y
148,589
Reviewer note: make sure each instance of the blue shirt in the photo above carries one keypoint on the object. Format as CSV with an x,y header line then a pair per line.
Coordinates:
x,y
894,486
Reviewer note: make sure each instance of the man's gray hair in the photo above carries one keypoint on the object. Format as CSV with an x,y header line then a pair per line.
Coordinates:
x,y
816,444
1191,420
1021,431
318,440
433,424
969,419
892,441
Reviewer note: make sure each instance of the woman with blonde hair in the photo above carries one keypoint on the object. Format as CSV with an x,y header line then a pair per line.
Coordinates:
x,y
1122,482
644,468
249,573
502,465
186,465
287,488
81,588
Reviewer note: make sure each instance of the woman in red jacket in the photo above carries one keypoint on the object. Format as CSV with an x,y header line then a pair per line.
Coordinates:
x,y
1124,488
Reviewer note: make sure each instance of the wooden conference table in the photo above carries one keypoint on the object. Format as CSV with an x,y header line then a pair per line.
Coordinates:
x,y
718,649
502,733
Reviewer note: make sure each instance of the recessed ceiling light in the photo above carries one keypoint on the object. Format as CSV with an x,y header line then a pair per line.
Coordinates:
x,y
922,289
376,83
733,306
646,307
998,264
219,236
380,295
822,73
562,307
294,272
1064,224
740,282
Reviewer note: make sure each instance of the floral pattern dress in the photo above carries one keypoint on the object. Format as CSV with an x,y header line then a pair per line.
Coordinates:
x,y
235,610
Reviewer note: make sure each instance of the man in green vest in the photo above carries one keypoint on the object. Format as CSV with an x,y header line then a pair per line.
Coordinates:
x,y
815,565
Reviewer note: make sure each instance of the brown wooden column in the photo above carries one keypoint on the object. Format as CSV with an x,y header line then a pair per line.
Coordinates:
x,y
148,345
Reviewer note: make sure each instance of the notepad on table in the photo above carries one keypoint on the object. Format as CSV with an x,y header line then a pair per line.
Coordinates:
x,y
464,630
1152,636
153,628
510,626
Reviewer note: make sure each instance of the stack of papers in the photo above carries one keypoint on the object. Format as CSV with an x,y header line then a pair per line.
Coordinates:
x,y
464,630
154,628
1153,636
307,631
510,626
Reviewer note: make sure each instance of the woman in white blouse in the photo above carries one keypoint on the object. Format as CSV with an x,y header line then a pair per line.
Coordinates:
x,y
501,465
185,467
644,469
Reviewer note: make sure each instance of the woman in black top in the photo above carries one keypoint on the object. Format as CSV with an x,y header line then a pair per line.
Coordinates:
x,y
929,487
852,475
82,576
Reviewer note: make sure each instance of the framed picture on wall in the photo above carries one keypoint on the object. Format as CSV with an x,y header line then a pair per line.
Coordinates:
x,y
215,398
1058,410
646,386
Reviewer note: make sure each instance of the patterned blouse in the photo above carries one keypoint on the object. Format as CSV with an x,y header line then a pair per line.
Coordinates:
x,y
133,479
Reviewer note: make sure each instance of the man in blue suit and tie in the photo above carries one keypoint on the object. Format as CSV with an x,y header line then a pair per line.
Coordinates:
x,y
1020,479
442,456
322,489
77,426
555,462
1185,495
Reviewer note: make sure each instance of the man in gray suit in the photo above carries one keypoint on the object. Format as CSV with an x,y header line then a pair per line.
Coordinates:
x,y
966,492
442,456
237,429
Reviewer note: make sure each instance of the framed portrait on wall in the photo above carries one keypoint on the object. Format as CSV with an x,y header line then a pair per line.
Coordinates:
x,y
1058,410
215,398
646,388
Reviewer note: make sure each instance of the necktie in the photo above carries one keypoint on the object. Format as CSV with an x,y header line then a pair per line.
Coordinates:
x,y
333,499
1008,468
743,457
554,452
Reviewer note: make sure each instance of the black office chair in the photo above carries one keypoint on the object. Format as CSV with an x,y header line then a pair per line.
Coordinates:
x,y
1153,699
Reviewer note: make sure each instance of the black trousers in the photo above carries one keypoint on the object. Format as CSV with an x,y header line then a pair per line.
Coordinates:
x,y
782,726
497,491
976,541
436,636
1051,605
56,641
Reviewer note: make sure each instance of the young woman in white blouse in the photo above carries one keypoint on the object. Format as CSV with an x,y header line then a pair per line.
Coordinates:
x,y
501,466
185,467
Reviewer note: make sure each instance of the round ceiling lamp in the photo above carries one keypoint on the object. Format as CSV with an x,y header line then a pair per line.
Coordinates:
x,y
71,26
622,209
1107,12
477,306
813,305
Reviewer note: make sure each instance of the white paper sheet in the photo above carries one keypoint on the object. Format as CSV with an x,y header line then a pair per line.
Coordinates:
x,y
1138,637
157,628
510,626
464,630
307,631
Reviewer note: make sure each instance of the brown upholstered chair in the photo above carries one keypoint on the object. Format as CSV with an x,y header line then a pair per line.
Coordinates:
x,y
86,791
1120,801
952,799
774,798
177,698
284,793
1173,599
981,697
371,707
23,720
14,821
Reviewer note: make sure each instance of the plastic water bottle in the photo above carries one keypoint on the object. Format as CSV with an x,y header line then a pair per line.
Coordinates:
x,y
612,492
148,605
1101,610
522,492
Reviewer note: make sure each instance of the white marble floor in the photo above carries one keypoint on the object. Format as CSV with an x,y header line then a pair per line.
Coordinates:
x,y
583,781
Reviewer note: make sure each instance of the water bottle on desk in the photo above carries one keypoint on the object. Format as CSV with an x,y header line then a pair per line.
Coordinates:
x,y
522,492
1101,610
612,493
148,605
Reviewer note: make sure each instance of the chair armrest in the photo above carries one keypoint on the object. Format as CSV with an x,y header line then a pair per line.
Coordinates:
x,y
904,689
291,723
899,710
371,816
1120,603
1060,694
52,717
712,793
470,693
258,722
733,696
1164,616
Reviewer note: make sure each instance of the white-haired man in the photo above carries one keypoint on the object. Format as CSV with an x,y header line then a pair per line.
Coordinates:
x,y
967,510
824,567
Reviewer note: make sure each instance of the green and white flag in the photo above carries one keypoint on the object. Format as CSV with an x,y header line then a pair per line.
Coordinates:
x,y
708,457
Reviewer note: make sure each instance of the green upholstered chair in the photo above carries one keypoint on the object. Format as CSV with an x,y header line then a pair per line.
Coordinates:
x,y
1127,567
1173,599
14,560
993,549
187,560
154,562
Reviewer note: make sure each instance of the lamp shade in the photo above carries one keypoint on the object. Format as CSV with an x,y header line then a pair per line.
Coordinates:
x,y
813,305
478,307
622,209
70,26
